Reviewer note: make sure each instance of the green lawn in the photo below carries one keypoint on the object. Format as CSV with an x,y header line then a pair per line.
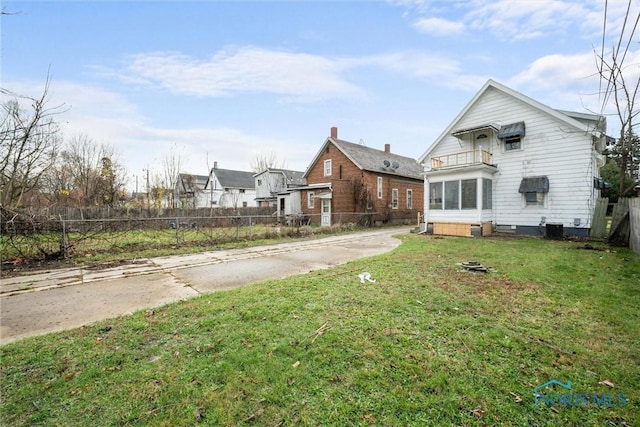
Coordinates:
x,y
427,344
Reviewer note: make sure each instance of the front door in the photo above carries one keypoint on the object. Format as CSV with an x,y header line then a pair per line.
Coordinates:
x,y
325,216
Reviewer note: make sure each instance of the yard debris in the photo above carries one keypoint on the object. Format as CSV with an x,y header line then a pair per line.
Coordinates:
x,y
474,266
366,276
254,415
607,383
320,331
295,365
478,412
517,398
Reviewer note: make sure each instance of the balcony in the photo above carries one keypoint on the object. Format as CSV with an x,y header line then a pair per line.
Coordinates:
x,y
462,158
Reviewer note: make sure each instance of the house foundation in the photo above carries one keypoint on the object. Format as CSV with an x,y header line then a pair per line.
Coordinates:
x,y
474,229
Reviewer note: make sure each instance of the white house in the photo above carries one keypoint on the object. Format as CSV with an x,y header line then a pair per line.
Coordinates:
x,y
510,163
228,188
189,191
272,181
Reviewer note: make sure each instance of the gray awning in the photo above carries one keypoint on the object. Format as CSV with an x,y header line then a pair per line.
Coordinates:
x,y
512,130
536,184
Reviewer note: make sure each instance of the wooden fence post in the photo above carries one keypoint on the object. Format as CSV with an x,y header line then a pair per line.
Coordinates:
x,y
634,220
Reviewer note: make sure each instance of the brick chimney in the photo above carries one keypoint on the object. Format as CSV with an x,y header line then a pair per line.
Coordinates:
x,y
387,148
334,132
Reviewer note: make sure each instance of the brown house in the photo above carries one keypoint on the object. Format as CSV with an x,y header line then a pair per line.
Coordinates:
x,y
349,182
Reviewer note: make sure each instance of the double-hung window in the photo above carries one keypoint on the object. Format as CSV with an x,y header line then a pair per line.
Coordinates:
x,y
327,167
394,198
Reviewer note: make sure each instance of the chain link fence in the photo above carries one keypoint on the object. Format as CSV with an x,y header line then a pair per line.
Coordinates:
x,y
84,233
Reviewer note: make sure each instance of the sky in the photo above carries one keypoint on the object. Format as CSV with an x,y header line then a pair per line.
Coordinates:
x,y
232,81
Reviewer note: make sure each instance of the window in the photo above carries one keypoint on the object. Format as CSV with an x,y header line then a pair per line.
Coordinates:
x,y
512,135
394,198
451,189
259,182
469,189
533,198
244,204
310,200
327,167
435,195
241,190
534,188
487,193
409,199
512,143
379,187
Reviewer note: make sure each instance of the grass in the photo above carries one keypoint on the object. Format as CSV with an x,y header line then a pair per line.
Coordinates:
x,y
427,344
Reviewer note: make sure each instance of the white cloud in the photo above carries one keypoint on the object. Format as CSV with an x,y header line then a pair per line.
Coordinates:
x,y
523,20
248,69
439,27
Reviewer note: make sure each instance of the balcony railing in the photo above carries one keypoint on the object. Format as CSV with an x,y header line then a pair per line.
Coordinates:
x,y
462,158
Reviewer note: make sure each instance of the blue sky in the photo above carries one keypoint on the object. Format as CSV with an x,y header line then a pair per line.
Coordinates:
x,y
229,81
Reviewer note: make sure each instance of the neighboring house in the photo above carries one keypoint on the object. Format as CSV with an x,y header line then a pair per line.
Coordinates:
x,y
272,181
189,191
349,182
510,163
228,188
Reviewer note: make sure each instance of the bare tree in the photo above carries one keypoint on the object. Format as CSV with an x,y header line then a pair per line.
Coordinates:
x,y
621,83
266,160
29,141
171,165
87,173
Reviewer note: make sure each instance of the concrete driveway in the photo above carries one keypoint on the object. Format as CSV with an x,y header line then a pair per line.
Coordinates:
x,y
69,298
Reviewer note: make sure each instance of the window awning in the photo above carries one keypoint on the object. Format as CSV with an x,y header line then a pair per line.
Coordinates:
x,y
536,184
512,130
460,132
323,196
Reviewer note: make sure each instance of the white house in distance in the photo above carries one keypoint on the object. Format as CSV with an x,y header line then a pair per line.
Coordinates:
x,y
272,181
228,188
510,163
189,191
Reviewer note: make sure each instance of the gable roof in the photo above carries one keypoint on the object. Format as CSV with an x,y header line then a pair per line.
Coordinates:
x,y
372,160
588,123
234,179
293,177
189,183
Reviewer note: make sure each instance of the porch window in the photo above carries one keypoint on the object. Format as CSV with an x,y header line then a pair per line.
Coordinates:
x,y
409,199
327,167
435,195
379,187
310,199
394,198
451,194
469,189
487,193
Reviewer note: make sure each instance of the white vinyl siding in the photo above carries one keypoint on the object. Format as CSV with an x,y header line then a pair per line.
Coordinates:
x,y
550,147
